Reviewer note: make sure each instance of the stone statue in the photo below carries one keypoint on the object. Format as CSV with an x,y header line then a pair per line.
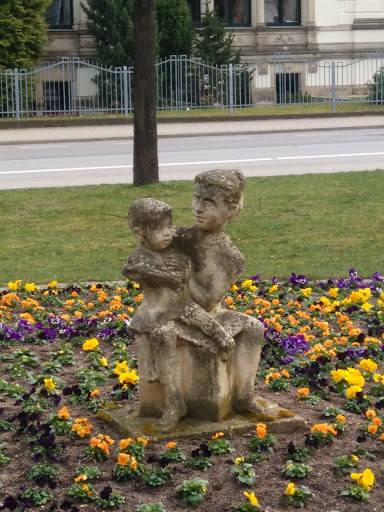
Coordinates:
x,y
195,358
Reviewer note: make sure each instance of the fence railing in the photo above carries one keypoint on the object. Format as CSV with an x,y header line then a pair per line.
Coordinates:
x,y
72,86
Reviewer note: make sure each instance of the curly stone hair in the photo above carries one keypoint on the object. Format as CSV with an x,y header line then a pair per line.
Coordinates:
x,y
231,184
147,212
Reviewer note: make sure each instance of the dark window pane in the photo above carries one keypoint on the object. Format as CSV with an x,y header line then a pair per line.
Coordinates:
x,y
271,11
221,10
59,14
290,12
194,8
240,12
235,12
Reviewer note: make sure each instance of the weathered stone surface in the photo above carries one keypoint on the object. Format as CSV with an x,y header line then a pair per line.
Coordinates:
x,y
129,423
195,358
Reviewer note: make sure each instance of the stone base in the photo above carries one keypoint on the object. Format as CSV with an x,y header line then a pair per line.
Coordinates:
x,y
128,423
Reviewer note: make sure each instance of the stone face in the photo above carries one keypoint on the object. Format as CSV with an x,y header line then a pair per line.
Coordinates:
x,y
195,358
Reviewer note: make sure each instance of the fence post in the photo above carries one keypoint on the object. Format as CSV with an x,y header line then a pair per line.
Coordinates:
x,y
17,93
231,89
125,82
333,86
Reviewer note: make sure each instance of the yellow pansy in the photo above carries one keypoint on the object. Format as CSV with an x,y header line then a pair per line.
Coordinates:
x,y
30,287
352,391
104,362
378,378
290,490
333,292
354,377
128,377
368,365
273,288
121,368
306,291
355,296
251,497
90,344
366,479
49,383
239,460
325,301
337,375
15,285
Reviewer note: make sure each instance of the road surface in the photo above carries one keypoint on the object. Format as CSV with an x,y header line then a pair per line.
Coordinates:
x,y
83,163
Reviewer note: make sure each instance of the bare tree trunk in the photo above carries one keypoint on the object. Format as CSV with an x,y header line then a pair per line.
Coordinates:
x,y
145,160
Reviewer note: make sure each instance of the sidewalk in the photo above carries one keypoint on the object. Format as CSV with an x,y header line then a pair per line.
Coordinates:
x,y
226,126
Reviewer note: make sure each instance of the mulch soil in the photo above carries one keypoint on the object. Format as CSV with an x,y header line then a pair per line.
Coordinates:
x,y
224,492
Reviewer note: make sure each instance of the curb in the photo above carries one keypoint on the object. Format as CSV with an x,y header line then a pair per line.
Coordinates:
x,y
112,121
181,135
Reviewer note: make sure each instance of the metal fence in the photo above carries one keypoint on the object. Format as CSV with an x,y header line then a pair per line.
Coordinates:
x,y
74,86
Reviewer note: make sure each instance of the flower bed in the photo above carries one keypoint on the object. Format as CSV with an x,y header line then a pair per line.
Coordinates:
x,y
66,353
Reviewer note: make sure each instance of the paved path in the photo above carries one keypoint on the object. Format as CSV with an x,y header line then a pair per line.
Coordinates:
x,y
123,132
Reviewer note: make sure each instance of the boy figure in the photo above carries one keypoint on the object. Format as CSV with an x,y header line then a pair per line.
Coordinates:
x,y
167,306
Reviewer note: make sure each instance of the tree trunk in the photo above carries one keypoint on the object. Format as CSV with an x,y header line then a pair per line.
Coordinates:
x,y
145,160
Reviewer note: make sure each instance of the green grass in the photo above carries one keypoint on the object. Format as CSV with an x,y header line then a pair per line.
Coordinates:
x,y
222,112
320,225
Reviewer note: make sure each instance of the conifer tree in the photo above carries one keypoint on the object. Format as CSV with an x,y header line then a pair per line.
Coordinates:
x,y
175,34
23,32
110,23
214,44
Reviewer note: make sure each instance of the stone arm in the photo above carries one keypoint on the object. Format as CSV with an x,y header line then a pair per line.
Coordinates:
x,y
144,269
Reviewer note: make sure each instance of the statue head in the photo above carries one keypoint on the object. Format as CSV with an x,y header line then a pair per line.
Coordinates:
x,y
218,198
151,222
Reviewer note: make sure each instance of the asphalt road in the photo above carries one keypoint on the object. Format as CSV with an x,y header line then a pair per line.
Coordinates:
x,y
83,163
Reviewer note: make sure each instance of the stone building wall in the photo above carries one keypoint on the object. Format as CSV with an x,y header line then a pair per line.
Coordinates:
x,y
328,28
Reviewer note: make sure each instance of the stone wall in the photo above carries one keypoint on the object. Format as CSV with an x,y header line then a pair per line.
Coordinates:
x,y
330,29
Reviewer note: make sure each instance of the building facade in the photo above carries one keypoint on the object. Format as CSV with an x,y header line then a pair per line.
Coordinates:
x,y
306,28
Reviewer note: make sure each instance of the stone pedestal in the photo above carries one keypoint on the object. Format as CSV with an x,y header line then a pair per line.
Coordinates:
x,y
129,423
205,380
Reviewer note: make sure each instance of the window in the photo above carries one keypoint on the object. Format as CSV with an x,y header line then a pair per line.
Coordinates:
x,y
287,88
59,14
282,12
194,9
236,13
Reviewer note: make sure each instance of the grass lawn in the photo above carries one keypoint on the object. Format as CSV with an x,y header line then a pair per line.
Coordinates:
x,y
319,225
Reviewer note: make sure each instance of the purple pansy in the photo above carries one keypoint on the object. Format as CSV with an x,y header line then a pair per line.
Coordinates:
x,y
377,277
299,280
56,322
105,334
294,344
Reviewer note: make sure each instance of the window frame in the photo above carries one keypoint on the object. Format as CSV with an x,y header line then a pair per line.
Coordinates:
x,y
282,23
63,26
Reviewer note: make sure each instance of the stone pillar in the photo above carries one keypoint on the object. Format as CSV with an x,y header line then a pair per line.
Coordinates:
x,y
308,13
308,16
258,13
79,17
